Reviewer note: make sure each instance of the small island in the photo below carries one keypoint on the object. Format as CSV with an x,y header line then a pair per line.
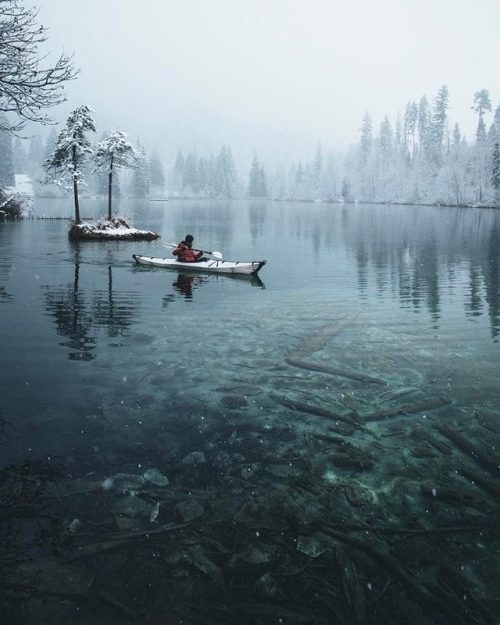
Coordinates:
x,y
116,228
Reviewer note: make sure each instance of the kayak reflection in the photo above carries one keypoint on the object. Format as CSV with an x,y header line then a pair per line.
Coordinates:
x,y
186,283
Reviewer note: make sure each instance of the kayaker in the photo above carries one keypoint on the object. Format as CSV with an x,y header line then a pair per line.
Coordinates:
x,y
184,251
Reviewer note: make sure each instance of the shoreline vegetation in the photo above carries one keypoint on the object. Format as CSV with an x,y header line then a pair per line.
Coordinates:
x,y
18,214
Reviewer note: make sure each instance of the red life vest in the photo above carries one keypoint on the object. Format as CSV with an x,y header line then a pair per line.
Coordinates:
x,y
185,254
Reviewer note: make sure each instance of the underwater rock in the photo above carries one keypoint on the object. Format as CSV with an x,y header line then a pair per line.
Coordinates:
x,y
195,457
311,546
203,563
357,495
155,477
190,509
234,402
258,554
53,577
124,482
131,512
266,586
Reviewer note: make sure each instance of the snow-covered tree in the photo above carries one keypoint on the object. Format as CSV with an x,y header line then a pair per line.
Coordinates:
x,y
7,178
495,172
156,171
190,173
64,166
482,104
225,175
257,186
27,88
439,122
115,152
141,184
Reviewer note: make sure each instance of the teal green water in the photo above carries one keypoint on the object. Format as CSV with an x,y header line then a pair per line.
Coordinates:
x,y
110,368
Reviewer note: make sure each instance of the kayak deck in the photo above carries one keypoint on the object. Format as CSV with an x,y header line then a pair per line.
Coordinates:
x,y
211,265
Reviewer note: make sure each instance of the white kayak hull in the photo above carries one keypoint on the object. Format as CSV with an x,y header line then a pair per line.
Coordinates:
x,y
211,265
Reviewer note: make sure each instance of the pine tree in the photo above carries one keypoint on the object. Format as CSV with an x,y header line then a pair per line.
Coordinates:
x,y
386,140
410,127
495,171
366,138
439,122
257,186
115,152
64,166
178,172
225,174
203,174
141,185
424,125
190,173
156,171
482,104
7,178
317,168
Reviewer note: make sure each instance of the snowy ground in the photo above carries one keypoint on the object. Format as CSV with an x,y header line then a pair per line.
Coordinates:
x,y
23,185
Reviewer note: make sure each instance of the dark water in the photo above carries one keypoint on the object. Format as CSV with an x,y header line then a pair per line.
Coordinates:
x,y
109,369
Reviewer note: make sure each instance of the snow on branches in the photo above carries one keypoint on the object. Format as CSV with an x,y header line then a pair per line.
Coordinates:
x,y
116,151
26,86
64,166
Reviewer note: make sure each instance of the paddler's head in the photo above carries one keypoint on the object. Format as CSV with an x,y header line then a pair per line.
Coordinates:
x,y
188,239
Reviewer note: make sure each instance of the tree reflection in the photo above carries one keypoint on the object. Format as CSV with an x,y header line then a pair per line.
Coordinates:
x,y
72,317
76,312
415,255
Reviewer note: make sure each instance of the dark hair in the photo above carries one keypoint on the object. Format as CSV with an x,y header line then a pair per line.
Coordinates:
x,y
189,237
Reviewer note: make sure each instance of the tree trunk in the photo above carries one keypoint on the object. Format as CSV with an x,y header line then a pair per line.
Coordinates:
x,y
110,187
75,187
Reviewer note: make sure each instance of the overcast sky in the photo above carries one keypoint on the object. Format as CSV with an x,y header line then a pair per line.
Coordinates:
x,y
272,77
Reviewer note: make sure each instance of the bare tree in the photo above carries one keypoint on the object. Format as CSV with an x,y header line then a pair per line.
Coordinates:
x,y
27,85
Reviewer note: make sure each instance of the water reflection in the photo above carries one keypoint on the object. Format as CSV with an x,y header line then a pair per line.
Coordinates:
x,y
187,283
419,258
78,312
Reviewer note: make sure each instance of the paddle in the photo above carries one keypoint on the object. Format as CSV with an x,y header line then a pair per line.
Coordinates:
x,y
214,254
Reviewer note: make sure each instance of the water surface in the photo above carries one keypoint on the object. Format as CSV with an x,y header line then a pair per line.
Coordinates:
x,y
109,368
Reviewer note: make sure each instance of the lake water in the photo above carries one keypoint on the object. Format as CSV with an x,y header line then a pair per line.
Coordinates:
x,y
356,384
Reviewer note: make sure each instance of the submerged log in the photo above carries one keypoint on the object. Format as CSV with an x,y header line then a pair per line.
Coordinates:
x,y
484,458
343,373
319,339
487,483
429,404
315,410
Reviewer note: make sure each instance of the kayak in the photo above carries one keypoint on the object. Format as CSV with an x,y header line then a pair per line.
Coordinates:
x,y
211,265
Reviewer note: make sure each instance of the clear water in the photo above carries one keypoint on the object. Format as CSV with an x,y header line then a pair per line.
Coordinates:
x,y
110,368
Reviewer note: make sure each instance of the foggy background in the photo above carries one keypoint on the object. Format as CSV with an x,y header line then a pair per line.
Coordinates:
x,y
272,78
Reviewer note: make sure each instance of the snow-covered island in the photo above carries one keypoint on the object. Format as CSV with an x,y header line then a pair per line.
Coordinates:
x,y
116,229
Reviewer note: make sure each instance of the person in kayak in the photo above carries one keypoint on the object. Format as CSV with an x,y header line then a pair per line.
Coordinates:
x,y
185,253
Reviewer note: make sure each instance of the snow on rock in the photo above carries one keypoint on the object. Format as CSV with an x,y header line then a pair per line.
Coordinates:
x,y
116,229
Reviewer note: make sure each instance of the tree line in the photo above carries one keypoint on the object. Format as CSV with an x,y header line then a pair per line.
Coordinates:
x,y
420,157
